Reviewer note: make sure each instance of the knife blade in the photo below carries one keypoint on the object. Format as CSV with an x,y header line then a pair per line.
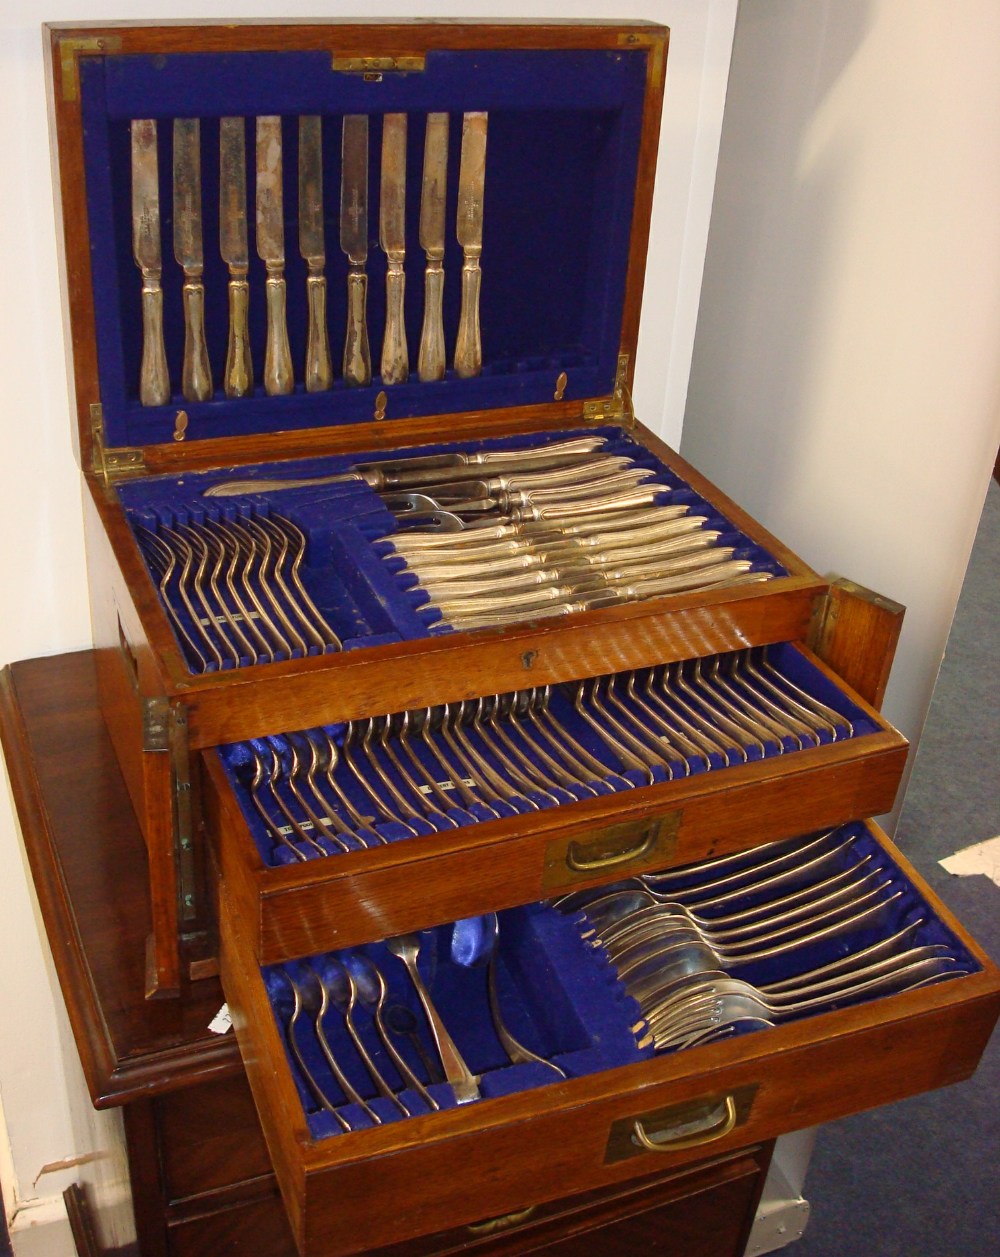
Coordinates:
x,y
469,228
154,378
278,376
431,356
238,378
407,472
196,375
312,247
392,237
354,242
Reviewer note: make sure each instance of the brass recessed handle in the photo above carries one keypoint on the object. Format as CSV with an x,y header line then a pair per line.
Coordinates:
x,y
576,861
503,1223
663,1142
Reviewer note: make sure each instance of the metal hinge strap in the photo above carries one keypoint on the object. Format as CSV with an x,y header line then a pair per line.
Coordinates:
x,y
118,462
618,407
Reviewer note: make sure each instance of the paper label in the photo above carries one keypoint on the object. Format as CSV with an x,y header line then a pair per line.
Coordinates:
x,y
222,1021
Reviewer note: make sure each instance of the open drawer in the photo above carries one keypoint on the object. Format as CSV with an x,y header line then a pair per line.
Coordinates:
x,y
620,1105
514,799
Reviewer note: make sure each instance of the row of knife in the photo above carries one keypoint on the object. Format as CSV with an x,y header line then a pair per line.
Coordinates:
x,y
481,539
278,370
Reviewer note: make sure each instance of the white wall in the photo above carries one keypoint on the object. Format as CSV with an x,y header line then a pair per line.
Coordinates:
x,y
846,373
42,577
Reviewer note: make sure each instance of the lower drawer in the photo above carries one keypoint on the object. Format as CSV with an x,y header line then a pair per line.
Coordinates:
x,y
702,1211
624,1107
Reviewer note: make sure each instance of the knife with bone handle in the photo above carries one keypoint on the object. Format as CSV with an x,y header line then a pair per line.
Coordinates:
x,y
238,379
507,491
399,473
434,538
431,356
395,366
727,575
278,377
154,378
318,373
196,376
430,568
455,594
470,547
621,521
575,477
471,180
354,242
556,512
551,566
541,473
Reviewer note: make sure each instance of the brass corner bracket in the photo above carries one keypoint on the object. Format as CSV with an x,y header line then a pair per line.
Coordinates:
x,y
72,49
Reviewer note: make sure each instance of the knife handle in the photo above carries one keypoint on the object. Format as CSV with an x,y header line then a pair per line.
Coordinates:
x,y
395,359
278,376
239,368
468,346
357,359
319,369
196,378
431,359
154,379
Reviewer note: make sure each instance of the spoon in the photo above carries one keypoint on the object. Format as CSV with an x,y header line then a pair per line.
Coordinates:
x,y
406,947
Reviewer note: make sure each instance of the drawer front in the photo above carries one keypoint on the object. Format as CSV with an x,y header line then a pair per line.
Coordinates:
x,y
605,1128
701,1211
245,1230
296,900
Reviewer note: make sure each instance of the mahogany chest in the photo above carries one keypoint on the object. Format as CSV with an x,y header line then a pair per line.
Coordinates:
x,y
413,642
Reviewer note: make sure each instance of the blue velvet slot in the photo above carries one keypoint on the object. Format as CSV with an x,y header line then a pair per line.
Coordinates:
x,y
511,757
559,997
367,595
564,133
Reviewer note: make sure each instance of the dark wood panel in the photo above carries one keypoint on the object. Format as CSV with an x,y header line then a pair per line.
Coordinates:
x,y
257,1229
732,1183
88,861
713,1222
210,1138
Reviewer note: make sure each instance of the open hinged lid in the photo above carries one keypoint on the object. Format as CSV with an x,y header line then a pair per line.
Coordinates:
x,y
573,119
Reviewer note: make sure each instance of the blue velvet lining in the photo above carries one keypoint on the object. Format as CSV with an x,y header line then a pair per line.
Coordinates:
x,y
367,595
559,996
240,760
564,132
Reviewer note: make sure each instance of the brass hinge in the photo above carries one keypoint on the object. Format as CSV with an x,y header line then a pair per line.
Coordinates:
x,y
164,729
70,51
372,68
618,407
112,464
